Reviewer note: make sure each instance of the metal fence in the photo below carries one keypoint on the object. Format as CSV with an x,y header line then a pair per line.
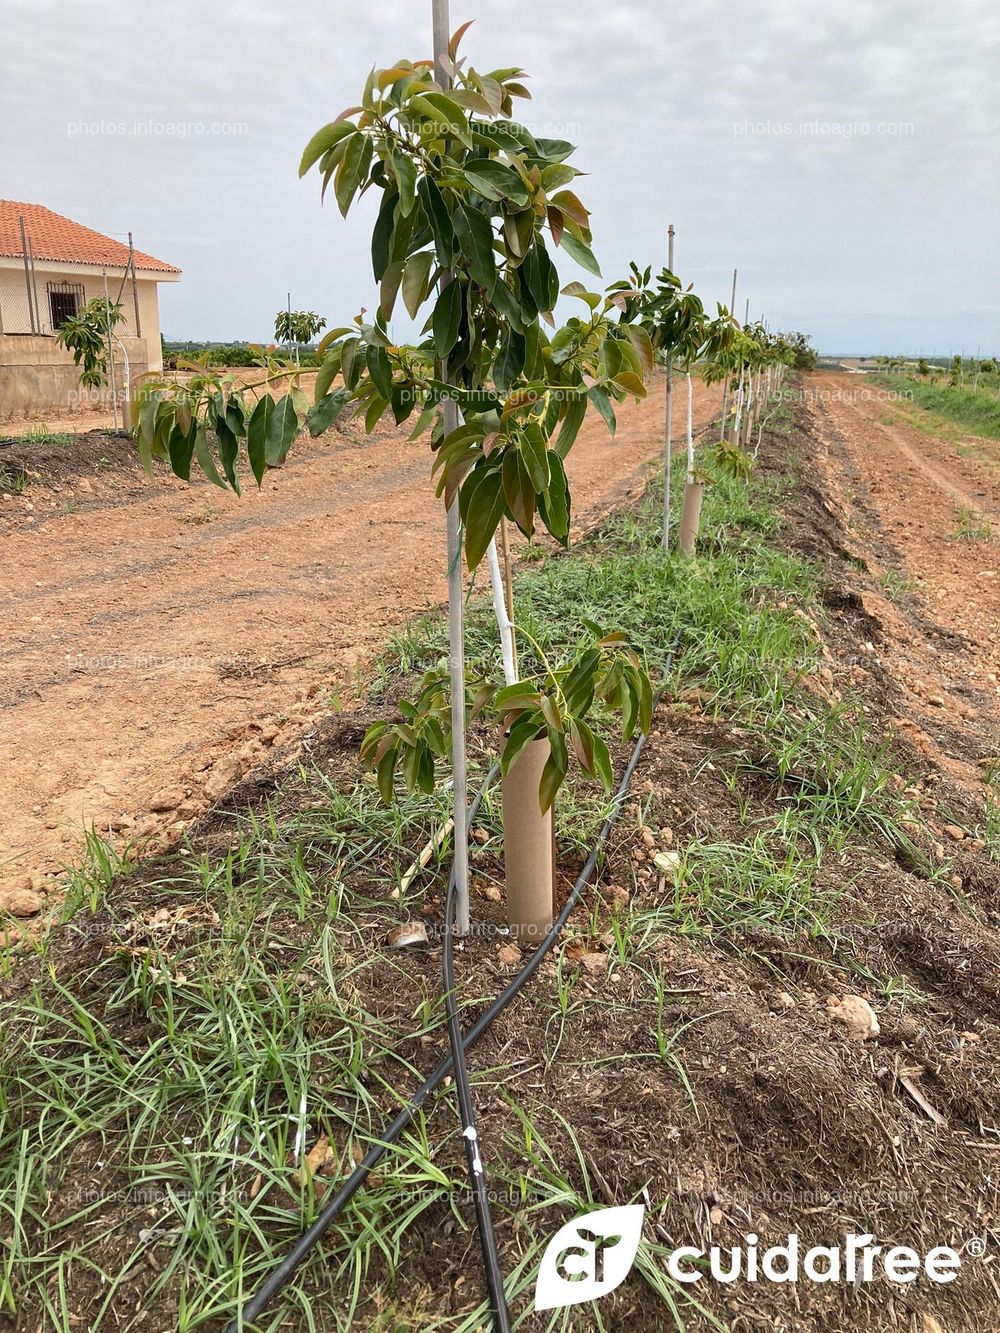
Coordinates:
x,y
36,298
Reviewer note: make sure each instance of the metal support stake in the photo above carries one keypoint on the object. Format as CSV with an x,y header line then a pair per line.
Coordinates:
x,y
667,430
456,588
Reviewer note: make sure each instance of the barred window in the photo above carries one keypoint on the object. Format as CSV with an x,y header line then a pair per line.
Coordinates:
x,y
65,299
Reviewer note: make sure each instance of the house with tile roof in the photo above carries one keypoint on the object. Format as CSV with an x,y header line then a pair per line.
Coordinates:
x,y
50,267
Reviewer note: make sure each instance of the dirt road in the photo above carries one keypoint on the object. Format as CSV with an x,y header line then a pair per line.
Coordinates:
x,y
934,500
160,637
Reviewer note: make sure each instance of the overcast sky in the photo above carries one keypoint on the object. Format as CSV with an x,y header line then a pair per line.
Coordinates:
x,y
843,157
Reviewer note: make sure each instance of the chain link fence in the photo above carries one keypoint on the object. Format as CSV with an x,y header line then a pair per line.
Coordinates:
x,y
36,298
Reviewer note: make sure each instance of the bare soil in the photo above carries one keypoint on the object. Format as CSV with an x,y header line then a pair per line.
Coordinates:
x,y
790,1124
160,638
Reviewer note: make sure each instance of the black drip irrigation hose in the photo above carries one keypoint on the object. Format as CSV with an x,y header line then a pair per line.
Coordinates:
x,y
392,1133
466,1106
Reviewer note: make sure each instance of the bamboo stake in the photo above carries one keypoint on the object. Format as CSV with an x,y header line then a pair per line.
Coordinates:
x,y
425,856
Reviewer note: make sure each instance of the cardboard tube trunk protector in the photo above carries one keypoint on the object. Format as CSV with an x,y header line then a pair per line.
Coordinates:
x,y
694,492
529,841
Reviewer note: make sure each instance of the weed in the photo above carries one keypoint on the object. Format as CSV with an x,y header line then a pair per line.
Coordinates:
x,y
972,525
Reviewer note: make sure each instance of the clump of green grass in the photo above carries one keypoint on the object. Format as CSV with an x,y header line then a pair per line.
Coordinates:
x,y
895,583
13,477
43,436
971,525
977,412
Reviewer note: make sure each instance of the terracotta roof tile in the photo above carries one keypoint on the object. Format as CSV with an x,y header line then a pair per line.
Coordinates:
x,y
68,242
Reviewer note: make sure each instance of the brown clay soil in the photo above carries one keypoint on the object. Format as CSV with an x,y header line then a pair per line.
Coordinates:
x,y
160,638
769,1117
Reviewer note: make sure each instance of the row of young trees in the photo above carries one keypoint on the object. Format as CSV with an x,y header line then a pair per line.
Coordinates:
x,y
472,209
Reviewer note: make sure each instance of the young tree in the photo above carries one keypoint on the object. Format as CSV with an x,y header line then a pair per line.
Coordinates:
x,y
297,326
87,336
469,203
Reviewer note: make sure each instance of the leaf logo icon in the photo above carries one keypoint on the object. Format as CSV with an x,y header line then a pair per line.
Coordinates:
x,y
589,1257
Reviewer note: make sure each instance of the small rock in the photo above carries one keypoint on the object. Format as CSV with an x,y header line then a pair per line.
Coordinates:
x,y
491,892
928,1324
251,754
480,835
667,862
782,1000
954,832
167,799
856,1014
508,955
221,778
84,486
20,901
649,839
715,1216
595,963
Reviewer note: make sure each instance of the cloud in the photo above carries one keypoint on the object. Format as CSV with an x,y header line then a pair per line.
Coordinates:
x,y
842,158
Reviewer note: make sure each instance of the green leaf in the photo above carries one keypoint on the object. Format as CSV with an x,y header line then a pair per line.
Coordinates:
x,y
385,773
442,111
328,371
438,219
525,730
352,170
405,171
484,514
516,697
602,402
540,274
581,252
555,505
415,278
380,370
643,345
531,445
283,426
495,181
576,411
557,174
204,456
322,141
550,711
389,289
509,362
229,449
602,763
582,740
518,491
475,239
180,447
553,777
382,234
326,411
258,429
446,318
